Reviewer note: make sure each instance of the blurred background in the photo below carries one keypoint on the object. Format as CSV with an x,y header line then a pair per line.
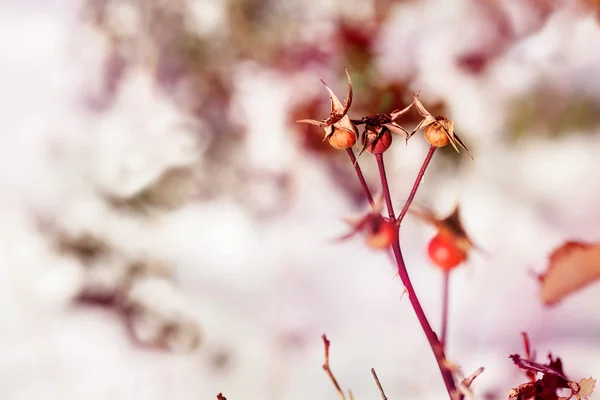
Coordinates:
x,y
168,230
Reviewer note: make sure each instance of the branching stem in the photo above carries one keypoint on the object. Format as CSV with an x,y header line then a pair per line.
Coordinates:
x,y
432,338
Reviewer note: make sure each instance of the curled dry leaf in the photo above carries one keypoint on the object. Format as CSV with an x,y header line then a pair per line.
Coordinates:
x,y
339,130
439,131
571,266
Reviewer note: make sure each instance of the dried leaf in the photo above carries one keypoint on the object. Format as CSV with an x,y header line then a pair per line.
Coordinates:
x,y
571,267
586,387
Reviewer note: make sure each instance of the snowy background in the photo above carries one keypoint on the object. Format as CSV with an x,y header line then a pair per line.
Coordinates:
x,y
167,230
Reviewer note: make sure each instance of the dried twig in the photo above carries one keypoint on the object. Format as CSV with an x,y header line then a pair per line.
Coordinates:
x,y
383,396
465,386
328,370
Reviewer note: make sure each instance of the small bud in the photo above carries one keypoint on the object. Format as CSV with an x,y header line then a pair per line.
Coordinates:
x,y
435,134
445,252
378,231
451,246
376,140
381,234
342,138
436,128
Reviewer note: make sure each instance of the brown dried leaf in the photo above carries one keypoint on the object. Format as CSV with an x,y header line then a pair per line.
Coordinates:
x,y
571,267
586,387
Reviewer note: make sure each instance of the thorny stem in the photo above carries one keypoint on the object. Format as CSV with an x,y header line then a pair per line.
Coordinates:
x,y
360,176
383,396
432,338
413,192
326,344
445,305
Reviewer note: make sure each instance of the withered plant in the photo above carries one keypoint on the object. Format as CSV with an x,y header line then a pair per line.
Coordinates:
x,y
448,249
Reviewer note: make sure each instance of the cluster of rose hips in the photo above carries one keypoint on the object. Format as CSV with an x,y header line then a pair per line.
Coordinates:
x,y
450,246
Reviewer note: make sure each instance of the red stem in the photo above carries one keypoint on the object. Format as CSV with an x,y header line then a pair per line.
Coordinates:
x,y
445,304
432,338
413,192
361,177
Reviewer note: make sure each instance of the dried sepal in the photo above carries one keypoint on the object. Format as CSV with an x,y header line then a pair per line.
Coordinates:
x,y
451,225
396,114
397,129
339,129
436,128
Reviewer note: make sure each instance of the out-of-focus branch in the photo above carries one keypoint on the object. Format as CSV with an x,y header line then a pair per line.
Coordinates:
x,y
326,344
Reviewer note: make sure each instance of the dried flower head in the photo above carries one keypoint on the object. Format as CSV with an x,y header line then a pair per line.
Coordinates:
x,y
450,225
339,130
377,136
379,232
451,245
439,131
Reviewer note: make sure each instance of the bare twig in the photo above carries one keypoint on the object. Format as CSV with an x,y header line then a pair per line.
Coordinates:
x,y
383,396
361,177
328,370
413,191
432,338
445,305
465,386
